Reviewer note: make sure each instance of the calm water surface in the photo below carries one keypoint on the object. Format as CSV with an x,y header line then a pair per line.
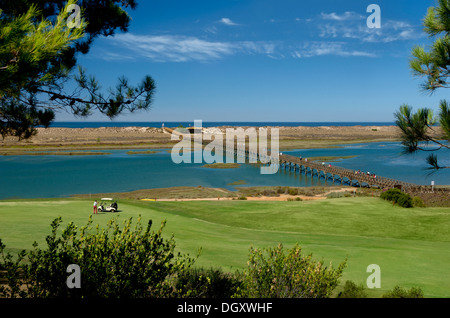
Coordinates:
x,y
60,176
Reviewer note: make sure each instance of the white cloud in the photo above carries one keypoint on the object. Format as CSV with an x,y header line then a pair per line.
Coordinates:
x,y
343,17
312,49
351,25
178,48
172,48
181,48
227,21
211,29
328,30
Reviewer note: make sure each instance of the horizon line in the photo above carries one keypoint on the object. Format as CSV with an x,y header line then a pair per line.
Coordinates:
x,y
215,121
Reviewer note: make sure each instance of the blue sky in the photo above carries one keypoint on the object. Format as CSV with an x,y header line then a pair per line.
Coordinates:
x,y
266,60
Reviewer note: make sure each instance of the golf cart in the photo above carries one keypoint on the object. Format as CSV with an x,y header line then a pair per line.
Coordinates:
x,y
107,205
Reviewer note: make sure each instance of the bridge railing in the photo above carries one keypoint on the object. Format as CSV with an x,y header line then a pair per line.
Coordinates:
x,y
348,172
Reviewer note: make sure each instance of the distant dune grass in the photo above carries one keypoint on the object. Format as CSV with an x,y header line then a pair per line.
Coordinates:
x,y
219,165
143,152
410,245
53,153
167,193
330,158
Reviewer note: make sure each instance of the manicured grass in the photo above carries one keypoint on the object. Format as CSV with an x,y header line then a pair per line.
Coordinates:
x,y
410,245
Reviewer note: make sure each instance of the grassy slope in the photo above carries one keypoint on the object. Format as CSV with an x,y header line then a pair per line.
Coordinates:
x,y
410,245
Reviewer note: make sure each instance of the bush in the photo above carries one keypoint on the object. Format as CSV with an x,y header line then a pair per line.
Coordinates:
x,y
399,292
206,283
398,197
280,273
351,290
418,202
128,262
405,201
391,195
269,193
292,191
282,190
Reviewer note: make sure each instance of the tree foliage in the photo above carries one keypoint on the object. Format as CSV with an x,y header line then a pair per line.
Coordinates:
x,y
38,59
433,64
286,273
419,128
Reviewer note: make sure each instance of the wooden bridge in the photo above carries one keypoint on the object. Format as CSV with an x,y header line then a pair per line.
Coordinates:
x,y
341,175
336,174
326,171
333,173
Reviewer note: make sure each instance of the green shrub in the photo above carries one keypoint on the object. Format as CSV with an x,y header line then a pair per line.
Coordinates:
x,y
292,191
242,198
298,199
351,290
418,202
206,283
399,292
405,201
391,195
398,197
280,273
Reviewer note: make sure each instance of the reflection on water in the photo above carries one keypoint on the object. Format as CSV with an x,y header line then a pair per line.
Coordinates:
x,y
58,176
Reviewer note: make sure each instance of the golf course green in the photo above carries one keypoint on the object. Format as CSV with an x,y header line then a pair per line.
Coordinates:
x,y
411,246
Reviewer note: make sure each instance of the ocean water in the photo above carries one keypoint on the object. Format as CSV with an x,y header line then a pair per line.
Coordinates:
x,y
62,176
158,124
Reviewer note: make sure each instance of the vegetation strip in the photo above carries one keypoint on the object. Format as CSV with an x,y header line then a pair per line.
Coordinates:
x,y
53,153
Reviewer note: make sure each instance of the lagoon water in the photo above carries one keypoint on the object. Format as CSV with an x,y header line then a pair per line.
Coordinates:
x,y
62,176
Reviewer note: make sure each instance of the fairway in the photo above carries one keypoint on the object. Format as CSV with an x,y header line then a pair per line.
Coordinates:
x,y
410,245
